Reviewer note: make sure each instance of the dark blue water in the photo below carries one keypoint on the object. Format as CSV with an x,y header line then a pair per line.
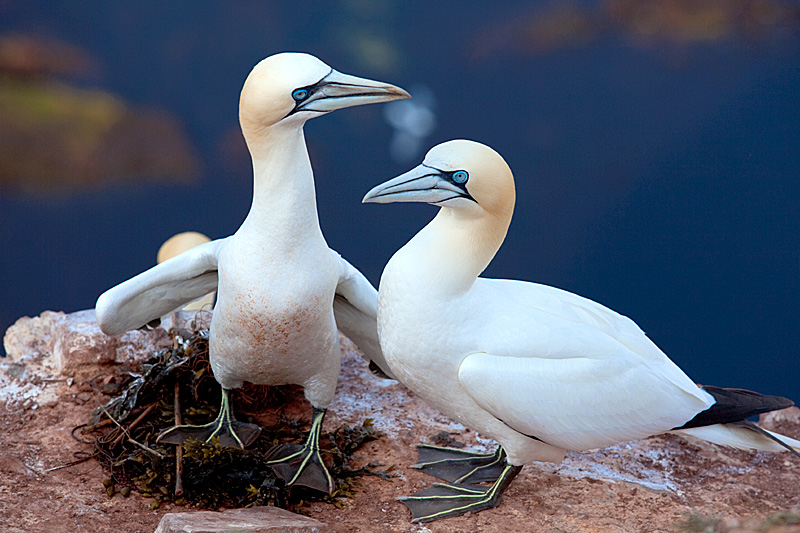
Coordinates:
x,y
659,179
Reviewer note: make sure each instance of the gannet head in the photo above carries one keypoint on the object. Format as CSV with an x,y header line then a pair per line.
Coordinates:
x,y
474,188
466,177
179,243
293,87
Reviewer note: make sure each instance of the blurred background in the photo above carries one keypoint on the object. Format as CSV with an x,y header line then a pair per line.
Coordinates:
x,y
655,144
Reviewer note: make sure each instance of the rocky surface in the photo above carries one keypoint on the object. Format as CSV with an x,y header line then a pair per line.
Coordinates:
x,y
660,484
255,520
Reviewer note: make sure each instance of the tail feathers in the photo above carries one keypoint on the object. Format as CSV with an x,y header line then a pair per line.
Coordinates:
x,y
744,435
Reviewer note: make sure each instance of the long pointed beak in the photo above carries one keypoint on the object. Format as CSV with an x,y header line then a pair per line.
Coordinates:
x,y
337,90
422,184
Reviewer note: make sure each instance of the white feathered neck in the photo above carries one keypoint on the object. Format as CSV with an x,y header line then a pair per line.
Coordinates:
x,y
284,197
449,254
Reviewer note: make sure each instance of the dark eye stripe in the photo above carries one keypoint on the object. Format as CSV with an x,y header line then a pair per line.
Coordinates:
x,y
299,99
450,176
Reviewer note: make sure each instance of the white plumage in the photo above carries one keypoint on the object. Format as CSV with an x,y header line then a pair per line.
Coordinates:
x,y
538,369
176,245
281,291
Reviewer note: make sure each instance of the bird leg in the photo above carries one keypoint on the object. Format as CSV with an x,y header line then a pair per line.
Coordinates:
x,y
302,464
227,429
460,466
445,500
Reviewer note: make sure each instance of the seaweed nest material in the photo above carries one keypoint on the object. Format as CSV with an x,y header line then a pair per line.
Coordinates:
x,y
177,385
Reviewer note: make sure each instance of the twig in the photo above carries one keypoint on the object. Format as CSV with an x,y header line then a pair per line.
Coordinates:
x,y
101,424
73,463
179,449
131,426
174,317
125,431
142,446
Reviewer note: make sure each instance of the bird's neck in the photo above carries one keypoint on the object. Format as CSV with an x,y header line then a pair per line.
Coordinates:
x,y
449,254
284,198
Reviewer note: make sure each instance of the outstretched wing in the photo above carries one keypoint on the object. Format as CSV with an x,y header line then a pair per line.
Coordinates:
x,y
355,308
159,290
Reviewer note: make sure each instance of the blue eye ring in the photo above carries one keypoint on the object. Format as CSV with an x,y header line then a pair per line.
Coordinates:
x,y
300,94
460,176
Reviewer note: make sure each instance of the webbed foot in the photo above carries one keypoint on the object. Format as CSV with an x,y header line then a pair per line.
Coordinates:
x,y
460,466
227,429
444,500
301,464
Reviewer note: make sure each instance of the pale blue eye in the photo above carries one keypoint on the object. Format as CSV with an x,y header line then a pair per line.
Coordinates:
x,y
460,176
300,94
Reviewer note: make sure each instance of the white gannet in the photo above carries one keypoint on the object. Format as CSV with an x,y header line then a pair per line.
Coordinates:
x,y
281,292
538,369
176,245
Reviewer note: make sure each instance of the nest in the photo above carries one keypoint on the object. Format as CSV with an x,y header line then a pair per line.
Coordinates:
x,y
177,385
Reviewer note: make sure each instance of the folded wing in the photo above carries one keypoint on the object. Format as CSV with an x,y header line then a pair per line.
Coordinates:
x,y
582,402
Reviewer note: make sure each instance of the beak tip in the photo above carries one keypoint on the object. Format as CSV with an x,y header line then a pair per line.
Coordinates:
x,y
372,196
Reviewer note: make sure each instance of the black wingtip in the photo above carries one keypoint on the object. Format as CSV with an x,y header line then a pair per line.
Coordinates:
x,y
735,405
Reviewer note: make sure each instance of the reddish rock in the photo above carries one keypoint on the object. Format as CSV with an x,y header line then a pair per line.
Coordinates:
x,y
13,465
30,336
661,484
64,344
76,341
253,520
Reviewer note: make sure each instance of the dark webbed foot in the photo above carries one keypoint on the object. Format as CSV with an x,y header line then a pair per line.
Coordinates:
x,y
233,433
298,464
444,500
227,429
460,466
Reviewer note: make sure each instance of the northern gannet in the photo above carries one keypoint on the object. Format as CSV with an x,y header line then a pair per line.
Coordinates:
x,y
281,292
538,369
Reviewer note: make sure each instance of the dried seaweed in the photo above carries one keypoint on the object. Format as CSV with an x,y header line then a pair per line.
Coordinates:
x,y
124,433
142,387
